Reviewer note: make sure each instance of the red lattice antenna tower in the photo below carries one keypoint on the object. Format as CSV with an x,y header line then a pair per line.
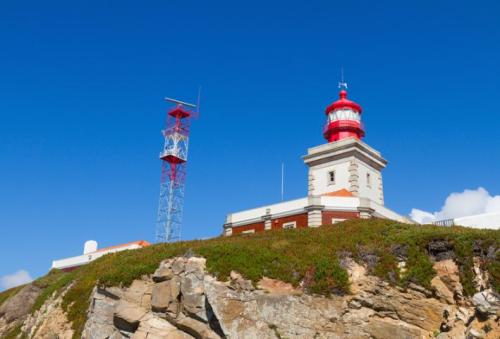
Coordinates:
x,y
173,170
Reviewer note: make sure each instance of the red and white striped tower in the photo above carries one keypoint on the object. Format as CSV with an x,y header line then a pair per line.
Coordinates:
x,y
343,119
173,173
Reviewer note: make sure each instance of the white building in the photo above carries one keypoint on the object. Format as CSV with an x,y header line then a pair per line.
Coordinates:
x,y
485,220
344,181
91,253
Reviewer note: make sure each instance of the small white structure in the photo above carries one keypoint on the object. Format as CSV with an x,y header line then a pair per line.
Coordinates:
x,y
91,253
89,246
485,220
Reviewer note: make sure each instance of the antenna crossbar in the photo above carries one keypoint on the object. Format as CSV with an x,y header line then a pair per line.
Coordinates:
x,y
180,102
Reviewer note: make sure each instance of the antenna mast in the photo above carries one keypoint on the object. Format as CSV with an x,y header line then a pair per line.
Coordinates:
x,y
173,170
342,83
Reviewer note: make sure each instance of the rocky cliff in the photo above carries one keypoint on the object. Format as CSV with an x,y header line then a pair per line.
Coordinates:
x,y
183,297
180,300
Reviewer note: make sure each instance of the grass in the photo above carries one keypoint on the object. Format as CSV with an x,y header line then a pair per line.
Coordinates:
x,y
54,281
309,255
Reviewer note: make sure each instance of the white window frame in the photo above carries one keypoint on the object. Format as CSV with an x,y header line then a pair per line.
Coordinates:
x,y
252,231
368,180
329,177
337,220
289,225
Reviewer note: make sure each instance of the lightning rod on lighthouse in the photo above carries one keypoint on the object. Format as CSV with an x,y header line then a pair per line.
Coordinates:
x,y
173,156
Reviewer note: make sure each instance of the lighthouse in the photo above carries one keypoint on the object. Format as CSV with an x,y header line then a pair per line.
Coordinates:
x,y
344,180
346,165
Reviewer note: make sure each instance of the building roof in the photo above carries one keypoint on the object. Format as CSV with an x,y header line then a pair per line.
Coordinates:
x,y
141,243
340,193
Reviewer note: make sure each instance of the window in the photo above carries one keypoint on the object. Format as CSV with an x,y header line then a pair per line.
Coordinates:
x,y
331,178
290,225
368,180
248,232
337,220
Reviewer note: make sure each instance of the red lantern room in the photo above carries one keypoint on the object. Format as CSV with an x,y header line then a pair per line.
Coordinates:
x,y
343,119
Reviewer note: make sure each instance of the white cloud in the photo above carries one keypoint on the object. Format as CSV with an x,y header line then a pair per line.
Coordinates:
x,y
468,202
12,280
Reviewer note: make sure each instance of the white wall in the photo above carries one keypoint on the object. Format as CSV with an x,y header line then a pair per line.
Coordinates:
x,y
86,258
373,191
340,203
320,174
487,220
257,213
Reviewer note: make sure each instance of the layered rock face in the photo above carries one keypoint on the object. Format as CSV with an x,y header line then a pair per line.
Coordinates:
x,y
182,301
16,309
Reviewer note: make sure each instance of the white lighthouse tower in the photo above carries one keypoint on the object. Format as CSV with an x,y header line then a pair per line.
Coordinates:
x,y
344,181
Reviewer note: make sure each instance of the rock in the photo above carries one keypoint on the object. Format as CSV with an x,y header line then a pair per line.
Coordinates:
x,y
486,303
100,317
50,321
139,293
492,251
357,274
192,289
194,327
473,334
153,327
420,289
164,294
164,272
441,250
127,316
368,257
244,314
481,280
239,283
446,283
465,315
400,251
382,328
19,305
277,287
178,265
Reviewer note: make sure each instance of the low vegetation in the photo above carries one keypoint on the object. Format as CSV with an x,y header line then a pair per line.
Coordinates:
x,y
312,256
54,281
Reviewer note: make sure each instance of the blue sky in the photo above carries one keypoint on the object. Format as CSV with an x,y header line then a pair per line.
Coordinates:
x,y
81,108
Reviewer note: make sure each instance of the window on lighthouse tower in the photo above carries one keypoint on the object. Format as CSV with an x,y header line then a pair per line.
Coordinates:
x,y
331,178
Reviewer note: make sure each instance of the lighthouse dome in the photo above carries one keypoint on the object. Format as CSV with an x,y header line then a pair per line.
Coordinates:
x,y
343,103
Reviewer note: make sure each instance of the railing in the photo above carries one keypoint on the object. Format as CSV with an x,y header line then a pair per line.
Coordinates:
x,y
348,124
444,222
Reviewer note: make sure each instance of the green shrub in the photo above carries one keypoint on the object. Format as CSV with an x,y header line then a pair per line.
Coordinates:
x,y
420,269
387,267
328,277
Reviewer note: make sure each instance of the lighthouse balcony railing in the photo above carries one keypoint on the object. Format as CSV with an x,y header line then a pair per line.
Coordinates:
x,y
344,124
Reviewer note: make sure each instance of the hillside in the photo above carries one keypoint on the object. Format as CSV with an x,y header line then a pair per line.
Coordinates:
x,y
316,262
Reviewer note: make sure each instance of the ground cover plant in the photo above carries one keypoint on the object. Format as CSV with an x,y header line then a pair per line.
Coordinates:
x,y
312,256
